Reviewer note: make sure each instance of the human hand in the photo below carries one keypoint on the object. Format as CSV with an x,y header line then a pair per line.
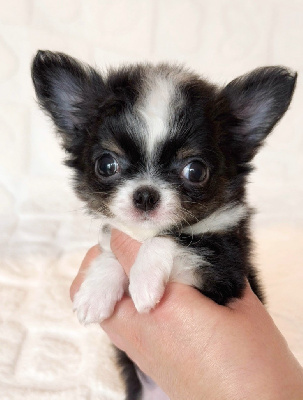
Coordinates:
x,y
194,348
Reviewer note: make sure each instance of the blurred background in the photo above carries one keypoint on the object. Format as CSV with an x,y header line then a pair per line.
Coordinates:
x,y
44,352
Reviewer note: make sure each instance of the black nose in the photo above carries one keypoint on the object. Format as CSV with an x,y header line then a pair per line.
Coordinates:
x,y
146,198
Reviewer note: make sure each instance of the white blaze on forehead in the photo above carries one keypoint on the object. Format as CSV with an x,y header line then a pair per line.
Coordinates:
x,y
154,108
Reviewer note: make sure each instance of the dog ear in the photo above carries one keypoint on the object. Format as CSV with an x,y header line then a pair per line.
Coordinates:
x,y
68,91
250,106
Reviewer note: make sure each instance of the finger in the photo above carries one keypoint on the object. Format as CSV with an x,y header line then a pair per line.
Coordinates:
x,y
92,253
120,326
128,329
125,249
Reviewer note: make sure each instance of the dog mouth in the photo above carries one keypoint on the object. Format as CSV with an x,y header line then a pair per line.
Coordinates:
x,y
146,204
158,219
146,217
151,217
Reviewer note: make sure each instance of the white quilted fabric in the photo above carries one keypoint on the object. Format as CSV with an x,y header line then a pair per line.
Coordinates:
x,y
44,352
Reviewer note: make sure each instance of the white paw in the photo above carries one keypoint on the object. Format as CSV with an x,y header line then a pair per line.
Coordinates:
x,y
103,287
94,304
146,291
150,272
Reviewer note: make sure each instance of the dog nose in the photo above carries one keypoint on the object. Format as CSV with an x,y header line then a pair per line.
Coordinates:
x,y
146,198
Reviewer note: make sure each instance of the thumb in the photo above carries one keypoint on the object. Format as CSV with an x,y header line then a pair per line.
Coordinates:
x,y
124,248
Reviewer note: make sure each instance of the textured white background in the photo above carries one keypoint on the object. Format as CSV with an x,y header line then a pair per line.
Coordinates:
x,y
44,353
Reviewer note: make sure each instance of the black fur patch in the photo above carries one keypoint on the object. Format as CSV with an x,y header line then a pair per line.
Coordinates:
x,y
128,372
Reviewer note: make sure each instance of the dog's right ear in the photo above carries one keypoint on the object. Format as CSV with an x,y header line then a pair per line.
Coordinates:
x,y
250,106
68,91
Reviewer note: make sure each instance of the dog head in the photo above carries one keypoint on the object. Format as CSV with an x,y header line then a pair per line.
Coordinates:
x,y
157,146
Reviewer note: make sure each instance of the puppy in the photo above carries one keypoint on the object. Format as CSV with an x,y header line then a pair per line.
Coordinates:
x,y
163,155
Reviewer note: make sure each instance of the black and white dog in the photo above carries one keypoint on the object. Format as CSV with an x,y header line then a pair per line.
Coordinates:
x,y
162,155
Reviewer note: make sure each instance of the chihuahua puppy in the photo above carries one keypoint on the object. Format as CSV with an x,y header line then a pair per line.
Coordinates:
x,y
162,155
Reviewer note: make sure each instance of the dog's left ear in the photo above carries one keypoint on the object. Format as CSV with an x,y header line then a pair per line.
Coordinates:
x,y
70,92
249,107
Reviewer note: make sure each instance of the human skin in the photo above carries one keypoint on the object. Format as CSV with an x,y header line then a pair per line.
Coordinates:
x,y
196,349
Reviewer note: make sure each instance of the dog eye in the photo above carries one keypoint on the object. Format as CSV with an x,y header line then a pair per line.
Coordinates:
x,y
195,172
107,166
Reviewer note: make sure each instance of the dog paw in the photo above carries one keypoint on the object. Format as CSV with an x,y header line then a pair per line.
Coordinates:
x,y
103,287
150,272
146,291
93,305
